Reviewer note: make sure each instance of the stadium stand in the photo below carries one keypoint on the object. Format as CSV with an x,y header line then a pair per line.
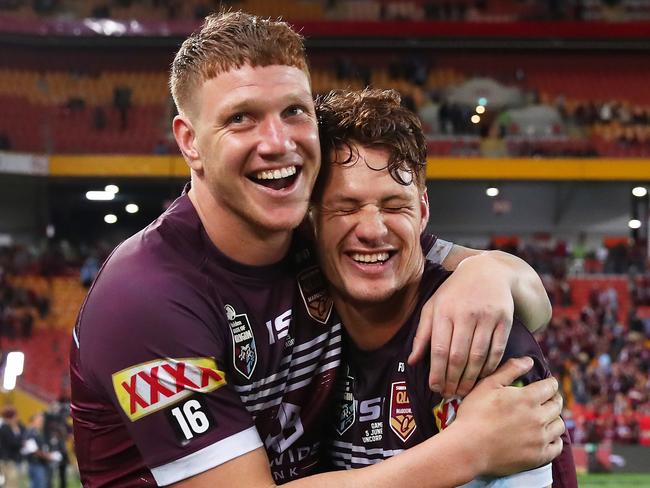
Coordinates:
x,y
85,113
351,10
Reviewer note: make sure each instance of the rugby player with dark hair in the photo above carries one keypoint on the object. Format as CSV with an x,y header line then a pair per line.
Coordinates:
x,y
206,350
370,210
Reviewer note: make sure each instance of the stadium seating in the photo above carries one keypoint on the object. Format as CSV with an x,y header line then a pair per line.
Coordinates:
x,y
68,112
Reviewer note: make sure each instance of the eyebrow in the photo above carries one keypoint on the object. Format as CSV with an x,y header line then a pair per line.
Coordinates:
x,y
338,198
249,103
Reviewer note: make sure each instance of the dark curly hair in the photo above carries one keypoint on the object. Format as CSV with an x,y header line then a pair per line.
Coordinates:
x,y
371,117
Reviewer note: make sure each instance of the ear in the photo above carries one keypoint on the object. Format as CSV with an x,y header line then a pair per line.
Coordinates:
x,y
424,209
186,140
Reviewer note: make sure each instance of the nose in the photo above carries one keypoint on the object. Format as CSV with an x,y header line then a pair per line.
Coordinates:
x,y
275,137
371,228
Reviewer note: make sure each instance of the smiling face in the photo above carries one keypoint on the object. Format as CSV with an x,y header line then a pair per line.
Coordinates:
x,y
368,228
252,144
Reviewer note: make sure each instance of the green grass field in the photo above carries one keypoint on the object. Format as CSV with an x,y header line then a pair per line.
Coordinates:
x,y
614,480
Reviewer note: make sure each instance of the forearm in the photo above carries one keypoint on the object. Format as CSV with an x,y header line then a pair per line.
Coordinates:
x,y
445,460
532,305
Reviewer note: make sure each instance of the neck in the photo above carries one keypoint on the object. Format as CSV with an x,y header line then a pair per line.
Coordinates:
x,y
238,240
372,325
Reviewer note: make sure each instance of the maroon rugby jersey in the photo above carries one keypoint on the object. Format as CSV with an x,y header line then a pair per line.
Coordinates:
x,y
384,406
183,359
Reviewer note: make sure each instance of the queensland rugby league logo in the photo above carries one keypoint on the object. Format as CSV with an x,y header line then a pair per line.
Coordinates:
x,y
345,406
402,420
244,352
313,290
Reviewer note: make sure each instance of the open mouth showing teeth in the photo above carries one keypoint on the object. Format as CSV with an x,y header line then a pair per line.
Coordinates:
x,y
276,179
371,258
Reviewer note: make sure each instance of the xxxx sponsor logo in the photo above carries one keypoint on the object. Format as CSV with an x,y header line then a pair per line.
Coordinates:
x,y
402,420
148,387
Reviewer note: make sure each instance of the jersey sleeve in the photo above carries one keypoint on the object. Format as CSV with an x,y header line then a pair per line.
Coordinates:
x,y
435,249
155,348
561,472
522,343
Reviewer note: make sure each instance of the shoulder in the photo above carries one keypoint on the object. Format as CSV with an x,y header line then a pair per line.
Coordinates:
x,y
433,276
143,276
521,342
150,300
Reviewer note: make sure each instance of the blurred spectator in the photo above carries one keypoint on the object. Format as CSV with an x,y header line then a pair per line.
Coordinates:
x,y
11,440
18,308
99,119
89,270
122,102
5,145
57,433
37,453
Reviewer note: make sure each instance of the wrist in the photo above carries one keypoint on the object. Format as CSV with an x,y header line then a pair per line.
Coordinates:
x,y
471,451
495,265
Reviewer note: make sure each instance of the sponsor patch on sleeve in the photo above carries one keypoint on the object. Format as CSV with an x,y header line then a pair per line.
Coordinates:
x,y
148,387
445,412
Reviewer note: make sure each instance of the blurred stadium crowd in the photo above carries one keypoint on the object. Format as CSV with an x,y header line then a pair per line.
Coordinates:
x,y
598,342
528,112
344,10
37,450
532,106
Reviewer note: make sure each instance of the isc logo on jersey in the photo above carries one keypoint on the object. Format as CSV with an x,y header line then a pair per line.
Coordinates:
x,y
148,387
402,420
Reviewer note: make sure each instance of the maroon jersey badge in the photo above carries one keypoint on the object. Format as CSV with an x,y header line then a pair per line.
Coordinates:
x,y
244,352
402,420
313,290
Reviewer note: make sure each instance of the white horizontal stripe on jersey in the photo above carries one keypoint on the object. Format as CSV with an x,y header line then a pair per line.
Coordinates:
x,y
306,345
290,359
381,455
208,457
348,446
256,407
348,460
293,375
